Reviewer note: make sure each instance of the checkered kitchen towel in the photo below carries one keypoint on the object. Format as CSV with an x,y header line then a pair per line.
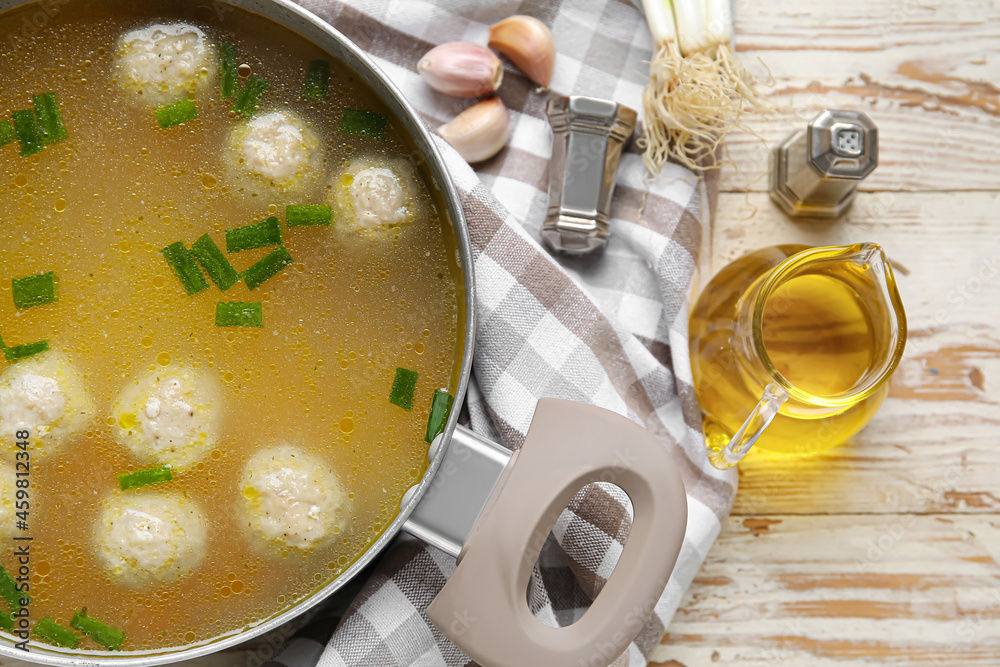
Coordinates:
x,y
610,330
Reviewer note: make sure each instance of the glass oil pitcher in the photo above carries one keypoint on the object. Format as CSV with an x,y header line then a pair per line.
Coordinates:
x,y
792,348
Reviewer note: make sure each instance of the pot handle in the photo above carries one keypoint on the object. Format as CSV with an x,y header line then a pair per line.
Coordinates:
x,y
483,607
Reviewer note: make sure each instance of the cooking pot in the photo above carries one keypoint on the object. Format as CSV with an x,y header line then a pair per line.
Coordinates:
x,y
490,509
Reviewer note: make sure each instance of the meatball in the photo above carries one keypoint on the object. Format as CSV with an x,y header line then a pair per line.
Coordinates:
x,y
150,538
44,396
292,499
8,489
276,150
165,62
169,417
374,195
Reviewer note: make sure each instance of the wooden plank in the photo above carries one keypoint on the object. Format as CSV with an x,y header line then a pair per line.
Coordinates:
x,y
927,73
832,590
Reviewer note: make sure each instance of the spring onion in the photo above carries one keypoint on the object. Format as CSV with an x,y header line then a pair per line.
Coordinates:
x,y
107,636
440,407
258,235
215,263
34,290
317,80
137,478
239,314
176,113
23,351
6,621
51,632
9,592
250,97
7,134
28,134
50,122
266,268
363,123
182,262
308,215
403,387
229,76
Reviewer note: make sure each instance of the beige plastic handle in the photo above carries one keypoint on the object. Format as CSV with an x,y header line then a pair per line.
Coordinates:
x,y
483,607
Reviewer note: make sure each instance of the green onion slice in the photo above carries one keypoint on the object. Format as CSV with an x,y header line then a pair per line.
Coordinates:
x,y
317,80
183,264
34,290
440,407
258,235
229,77
9,592
7,134
239,314
266,268
308,215
403,387
50,122
137,478
107,636
49,631
176,113
363,123
24,351
28,134
215,263
251,95
6,621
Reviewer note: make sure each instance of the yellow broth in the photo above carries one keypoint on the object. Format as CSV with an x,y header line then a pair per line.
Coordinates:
x,y
97,209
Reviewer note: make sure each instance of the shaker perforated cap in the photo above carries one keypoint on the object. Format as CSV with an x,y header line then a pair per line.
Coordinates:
x,y
842,144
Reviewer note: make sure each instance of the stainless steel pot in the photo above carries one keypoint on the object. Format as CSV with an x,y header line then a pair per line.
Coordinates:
x,y
491,510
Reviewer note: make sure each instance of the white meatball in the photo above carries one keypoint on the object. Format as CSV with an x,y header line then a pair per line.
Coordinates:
x,y
8,489
169,417
276,150
375,194
44,396
163,63
151,538
292,498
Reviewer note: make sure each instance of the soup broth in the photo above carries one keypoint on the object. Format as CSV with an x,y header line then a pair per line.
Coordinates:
x,y
98,208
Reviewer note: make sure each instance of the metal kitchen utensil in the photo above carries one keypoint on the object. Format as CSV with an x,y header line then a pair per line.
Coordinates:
x,y
816,171
588,136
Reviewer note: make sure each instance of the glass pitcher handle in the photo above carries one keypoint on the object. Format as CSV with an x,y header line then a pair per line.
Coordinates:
x,y
761,417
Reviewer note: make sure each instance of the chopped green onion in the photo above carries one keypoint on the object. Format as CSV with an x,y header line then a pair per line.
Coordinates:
x,y
34,290
6,621
183,264
363,123
176,113
239,314
9,592
308,215
6,133
229,77
28,134
403,387
266,268
49,631
107,636
251,95
258,235
215,263
317,80
50,121
131,480
24,351
440,407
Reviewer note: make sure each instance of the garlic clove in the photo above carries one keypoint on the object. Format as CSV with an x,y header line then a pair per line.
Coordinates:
x,y
529,44
479,132
462,69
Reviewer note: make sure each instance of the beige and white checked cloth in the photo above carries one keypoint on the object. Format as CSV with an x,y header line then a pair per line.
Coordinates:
x,y
609,330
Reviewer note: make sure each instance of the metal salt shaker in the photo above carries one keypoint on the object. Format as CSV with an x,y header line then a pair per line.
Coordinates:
x,y
588,137
816,171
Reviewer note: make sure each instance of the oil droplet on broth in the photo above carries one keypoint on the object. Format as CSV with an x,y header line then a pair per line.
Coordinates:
x,y
20,180
208,181
347,425
60,205
163,358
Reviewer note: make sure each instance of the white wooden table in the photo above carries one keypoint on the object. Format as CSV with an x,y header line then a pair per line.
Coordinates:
x,y
886,550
